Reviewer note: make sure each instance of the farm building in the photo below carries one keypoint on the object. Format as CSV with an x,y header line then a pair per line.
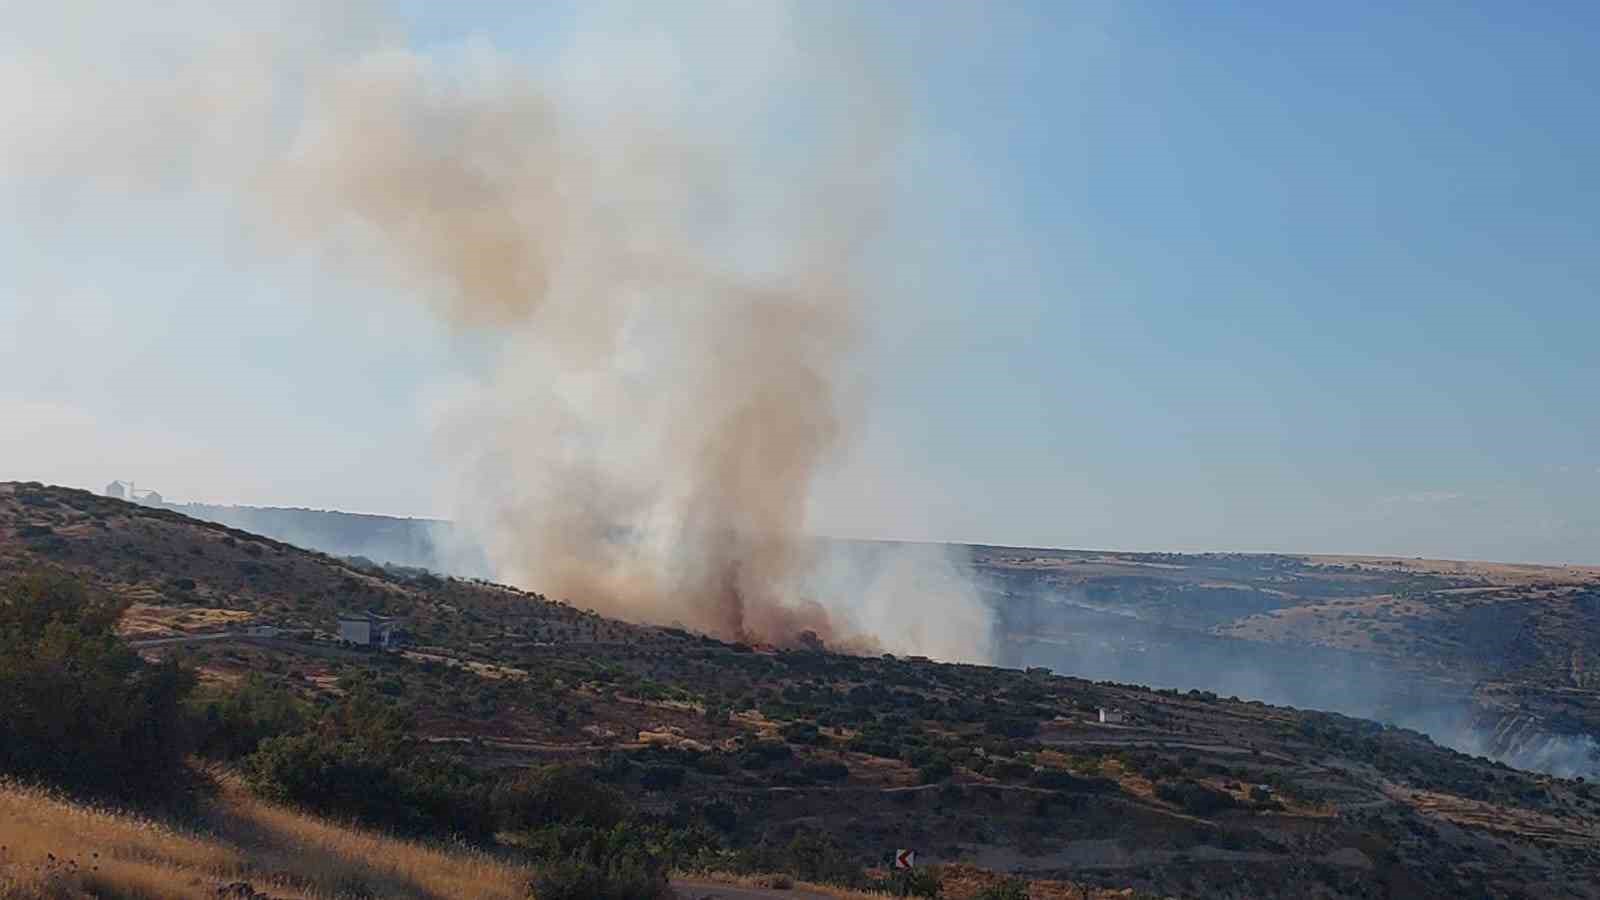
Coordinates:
x,y
368,630
1111,716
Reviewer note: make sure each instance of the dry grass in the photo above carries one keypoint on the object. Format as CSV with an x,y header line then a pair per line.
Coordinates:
x,y
958,882
145,620
53,848
773,882
328,854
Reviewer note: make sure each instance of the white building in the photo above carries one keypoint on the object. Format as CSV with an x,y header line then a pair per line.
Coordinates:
x,y
1111,716
366,629
125,490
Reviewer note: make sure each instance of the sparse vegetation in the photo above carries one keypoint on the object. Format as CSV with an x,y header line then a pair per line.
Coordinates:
x,y
582,755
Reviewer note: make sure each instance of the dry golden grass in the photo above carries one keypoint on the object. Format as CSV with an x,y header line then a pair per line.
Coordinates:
x,y
329,854
145,620
53,848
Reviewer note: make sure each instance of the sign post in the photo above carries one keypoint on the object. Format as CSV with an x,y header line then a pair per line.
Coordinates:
x,y
905,859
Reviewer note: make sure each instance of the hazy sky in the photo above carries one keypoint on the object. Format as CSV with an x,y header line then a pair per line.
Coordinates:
x,y
1300,277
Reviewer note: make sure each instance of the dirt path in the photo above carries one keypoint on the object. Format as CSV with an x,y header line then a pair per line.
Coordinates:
x,y
691,889
183,639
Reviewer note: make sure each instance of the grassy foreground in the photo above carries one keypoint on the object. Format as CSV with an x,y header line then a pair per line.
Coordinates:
x,y
54,848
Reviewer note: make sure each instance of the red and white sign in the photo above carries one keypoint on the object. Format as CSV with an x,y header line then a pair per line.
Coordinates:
x,y
905,859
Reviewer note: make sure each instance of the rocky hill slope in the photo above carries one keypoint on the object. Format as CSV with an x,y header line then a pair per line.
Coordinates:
x,y
1181,793
1490,658
1494,659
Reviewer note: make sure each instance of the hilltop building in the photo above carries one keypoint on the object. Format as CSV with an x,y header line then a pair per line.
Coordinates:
x,y
1112,716
124,490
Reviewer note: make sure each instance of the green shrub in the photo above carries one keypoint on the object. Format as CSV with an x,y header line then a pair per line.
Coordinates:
x,y
581,880
78,707
924,882
803,733
828,770
1057,780
761,754
662,778
1011,770
1196,798
815,856
721,815
560,793
360,761
1011,727
232,724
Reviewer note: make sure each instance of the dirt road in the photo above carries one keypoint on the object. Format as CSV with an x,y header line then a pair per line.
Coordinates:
x,y
184,639
690,889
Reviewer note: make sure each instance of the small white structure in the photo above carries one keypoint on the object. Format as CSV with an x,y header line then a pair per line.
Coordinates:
x,y
1111,716
125,490
366,629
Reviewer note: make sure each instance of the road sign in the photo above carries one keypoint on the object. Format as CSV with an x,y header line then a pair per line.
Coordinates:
x,y
905,859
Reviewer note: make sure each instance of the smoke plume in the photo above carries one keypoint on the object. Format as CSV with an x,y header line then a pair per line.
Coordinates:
x,y
661,253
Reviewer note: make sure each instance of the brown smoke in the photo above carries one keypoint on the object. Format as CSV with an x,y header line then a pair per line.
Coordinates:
x,y
665,298
579,245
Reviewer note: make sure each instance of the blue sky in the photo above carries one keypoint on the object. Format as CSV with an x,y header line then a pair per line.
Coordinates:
x,y
1301,277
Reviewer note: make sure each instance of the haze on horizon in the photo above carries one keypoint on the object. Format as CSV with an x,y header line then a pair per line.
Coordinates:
x,y
1309,280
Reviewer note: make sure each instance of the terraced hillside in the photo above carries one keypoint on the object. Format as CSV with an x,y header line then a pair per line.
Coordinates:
x,y
1488,658
1182,793
1492,658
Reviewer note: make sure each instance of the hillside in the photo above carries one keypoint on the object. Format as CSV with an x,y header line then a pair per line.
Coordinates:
x,y
420,543
1489,658
242,849
1492,658
1183,794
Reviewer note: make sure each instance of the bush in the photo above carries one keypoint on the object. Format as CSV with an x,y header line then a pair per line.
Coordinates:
x,y
1011,727
1011,770
1057,780
803,733
826,771
231,725
1010,889
1196,798
78,707
359,761
815,856
911,883
662,778
721,815
551,794
763,753
581,880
